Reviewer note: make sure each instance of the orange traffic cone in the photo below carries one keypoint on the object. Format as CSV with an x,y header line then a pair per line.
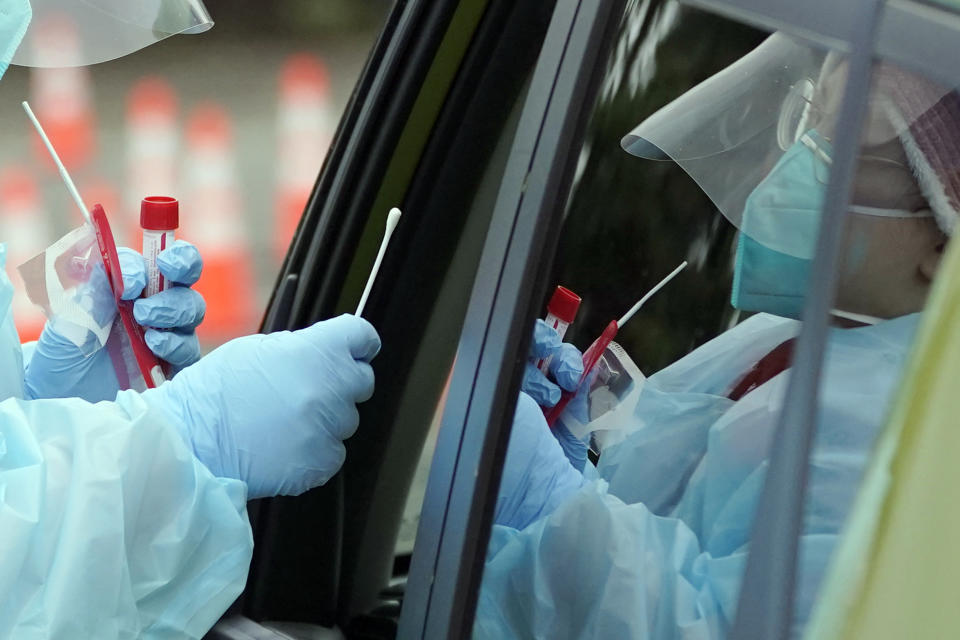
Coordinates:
x,y
212,218
26,233
152,138
62,97
305,125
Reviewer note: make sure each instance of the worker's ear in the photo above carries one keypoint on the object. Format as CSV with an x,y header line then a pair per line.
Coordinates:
x,y
930,263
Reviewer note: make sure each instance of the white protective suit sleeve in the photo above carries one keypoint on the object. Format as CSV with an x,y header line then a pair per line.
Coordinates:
x,y
111,528
659,551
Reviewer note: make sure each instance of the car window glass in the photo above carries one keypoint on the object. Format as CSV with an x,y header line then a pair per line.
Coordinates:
x,y
234,122
713,143
481,206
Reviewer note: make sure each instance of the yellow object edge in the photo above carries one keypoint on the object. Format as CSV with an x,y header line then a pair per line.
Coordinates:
x,y
894,573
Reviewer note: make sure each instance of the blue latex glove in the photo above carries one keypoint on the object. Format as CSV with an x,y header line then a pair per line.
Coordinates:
x,y
578,407
574,448
273,410
565,367
536,474
59,368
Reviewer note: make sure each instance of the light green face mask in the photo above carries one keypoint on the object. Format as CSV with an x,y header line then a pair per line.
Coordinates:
x,y
14,19
778,231
779,228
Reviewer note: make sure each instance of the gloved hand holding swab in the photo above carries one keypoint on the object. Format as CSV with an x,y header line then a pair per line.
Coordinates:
x,y
392,219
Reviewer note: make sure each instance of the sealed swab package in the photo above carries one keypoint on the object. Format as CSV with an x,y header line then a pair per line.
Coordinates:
x,y
64,281
78,283
606,403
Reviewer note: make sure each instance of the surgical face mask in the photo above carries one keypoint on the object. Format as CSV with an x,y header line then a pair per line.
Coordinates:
x,y
767,280
14,19
778,231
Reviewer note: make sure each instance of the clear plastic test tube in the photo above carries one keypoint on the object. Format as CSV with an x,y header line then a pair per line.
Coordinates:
x,y
159,219
561,312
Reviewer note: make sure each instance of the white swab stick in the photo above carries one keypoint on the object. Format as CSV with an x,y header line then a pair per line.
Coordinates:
x,y
392,219
72,188
629,314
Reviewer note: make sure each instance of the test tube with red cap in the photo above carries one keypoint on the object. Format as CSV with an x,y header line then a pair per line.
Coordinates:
x,y
159,219
561,312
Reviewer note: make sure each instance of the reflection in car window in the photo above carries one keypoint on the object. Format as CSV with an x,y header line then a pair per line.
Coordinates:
x,y
714,143
630,222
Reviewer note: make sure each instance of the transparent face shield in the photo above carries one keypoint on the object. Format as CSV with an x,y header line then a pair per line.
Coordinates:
x,y
757,138
70,33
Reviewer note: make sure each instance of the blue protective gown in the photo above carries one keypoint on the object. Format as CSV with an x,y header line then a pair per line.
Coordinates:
x,y
109,526
657,546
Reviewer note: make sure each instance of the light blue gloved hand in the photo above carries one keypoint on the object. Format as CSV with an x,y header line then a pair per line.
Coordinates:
x,y
574,448
579,408
537,476
58,368
565,367
273,410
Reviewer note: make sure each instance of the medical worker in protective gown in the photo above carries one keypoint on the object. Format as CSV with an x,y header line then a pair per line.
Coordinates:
x,y
652,543
123,514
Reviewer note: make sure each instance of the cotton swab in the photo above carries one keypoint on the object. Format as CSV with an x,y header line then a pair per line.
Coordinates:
x,y
642,301
392,219
72,188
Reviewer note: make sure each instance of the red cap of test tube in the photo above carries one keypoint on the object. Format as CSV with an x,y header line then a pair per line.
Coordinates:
x,y
159,213
564,304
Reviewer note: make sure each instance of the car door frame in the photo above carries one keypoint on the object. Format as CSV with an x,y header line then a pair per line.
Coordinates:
x,y
455,522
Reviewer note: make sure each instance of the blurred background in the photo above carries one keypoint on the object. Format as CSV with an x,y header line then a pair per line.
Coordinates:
x,y
234,122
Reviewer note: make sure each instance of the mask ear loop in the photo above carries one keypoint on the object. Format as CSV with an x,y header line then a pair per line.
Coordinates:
x,y
888,212
809,142
890,161
880,212
858,318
